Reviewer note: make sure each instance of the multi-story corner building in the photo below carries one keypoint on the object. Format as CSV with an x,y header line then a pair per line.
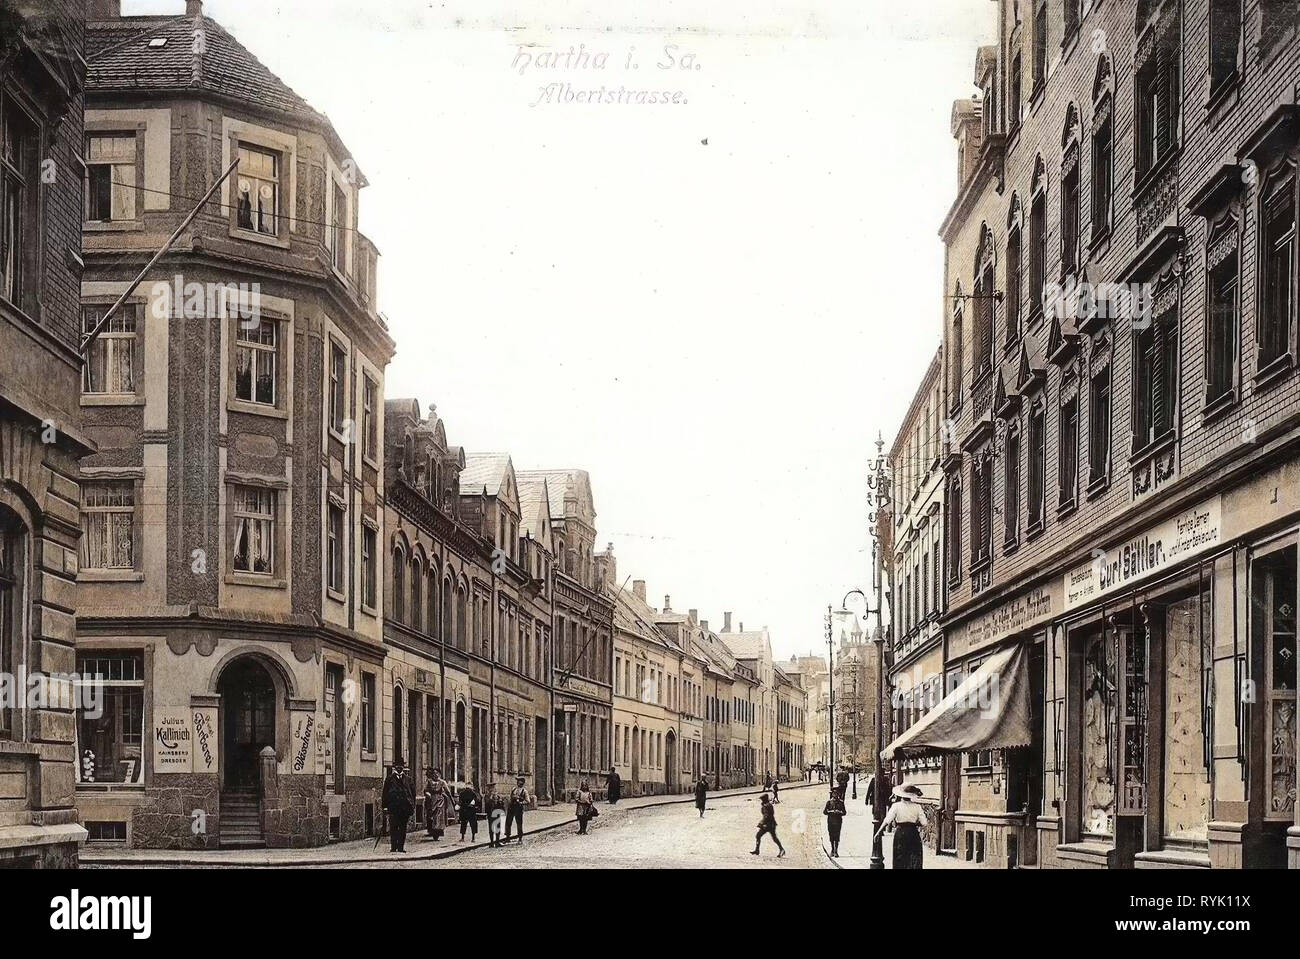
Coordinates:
x,y
813,676
791,714
509,610
583,618
915,677
236,402
42,75
1122,486
646,748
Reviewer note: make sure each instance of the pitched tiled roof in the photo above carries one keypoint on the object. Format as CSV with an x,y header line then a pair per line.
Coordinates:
x,y
150,52
746,645
484,470
559,483
532,514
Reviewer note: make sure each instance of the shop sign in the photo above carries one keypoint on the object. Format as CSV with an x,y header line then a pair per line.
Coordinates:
x,y
1152,551
1028,609
172,739
205,739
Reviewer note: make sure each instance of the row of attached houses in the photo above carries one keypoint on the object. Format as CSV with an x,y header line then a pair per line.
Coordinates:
x,y
1113,478
262,581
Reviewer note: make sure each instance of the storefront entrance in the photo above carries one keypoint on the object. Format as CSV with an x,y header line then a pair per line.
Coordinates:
x,y
248,707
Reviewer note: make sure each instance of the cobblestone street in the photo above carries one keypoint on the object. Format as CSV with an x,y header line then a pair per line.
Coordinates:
x,y
663,837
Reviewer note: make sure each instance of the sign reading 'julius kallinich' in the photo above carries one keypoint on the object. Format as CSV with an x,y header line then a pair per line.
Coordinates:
x,y
1153,550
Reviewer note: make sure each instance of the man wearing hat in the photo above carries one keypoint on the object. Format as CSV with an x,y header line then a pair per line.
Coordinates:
x,y
398,800
519,798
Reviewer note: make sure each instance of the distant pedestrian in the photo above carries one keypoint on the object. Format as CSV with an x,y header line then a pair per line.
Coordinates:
x,y
907,819
834,812
766,825
494,808
519,798
437,804
398,800
585,807
776,792
468,804
613,785
701,792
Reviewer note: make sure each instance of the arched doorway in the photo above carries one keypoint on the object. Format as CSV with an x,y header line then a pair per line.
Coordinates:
x,y
670,762
248,708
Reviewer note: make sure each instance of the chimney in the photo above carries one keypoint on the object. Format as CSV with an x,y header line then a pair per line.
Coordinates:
x,y
726,622
668,603
694,614
638,589
742,625
193,8
704,625
98,11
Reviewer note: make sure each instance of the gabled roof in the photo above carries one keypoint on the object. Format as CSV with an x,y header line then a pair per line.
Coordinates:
x,y
485,471
750,645
634,616
565,484
534,509
160,53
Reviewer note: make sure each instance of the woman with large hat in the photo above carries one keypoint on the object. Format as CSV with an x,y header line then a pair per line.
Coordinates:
x,y
907,819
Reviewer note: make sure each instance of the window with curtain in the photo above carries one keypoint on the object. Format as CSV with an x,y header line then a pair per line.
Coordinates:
x,y
109,367
255,362
110,177
108,524
254,514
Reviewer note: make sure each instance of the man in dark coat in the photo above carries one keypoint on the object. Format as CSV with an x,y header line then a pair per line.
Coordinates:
x,y
614,785
519,798
834,812
701,792
467,811
399,801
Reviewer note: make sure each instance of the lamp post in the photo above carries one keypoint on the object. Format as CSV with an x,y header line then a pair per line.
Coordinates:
x,y
830,653
867,611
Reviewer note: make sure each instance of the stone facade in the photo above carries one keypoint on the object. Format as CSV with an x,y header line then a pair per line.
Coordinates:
x,y
1118,463
236,402
41,100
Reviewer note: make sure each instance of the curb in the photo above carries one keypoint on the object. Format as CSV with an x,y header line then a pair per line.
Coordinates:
x,y
204,858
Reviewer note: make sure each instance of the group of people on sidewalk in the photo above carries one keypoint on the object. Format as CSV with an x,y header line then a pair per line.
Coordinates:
x,y
905,817
504,814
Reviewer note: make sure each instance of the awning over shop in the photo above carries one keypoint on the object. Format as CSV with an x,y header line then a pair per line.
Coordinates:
x,y
990,710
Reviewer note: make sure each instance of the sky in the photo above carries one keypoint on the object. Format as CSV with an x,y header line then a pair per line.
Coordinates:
x,y
713,305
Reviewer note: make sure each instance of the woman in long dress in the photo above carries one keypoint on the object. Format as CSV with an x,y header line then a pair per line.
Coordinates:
x,y
437,804
907,819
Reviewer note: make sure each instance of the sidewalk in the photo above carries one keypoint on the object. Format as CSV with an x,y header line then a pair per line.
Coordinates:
x,y
855,843
418,845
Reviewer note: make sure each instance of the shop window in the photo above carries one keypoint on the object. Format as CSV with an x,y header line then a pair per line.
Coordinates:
x,y
1279,627
108,524
1132,649
1189,656
110,178
1098,731
110,735
109,368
